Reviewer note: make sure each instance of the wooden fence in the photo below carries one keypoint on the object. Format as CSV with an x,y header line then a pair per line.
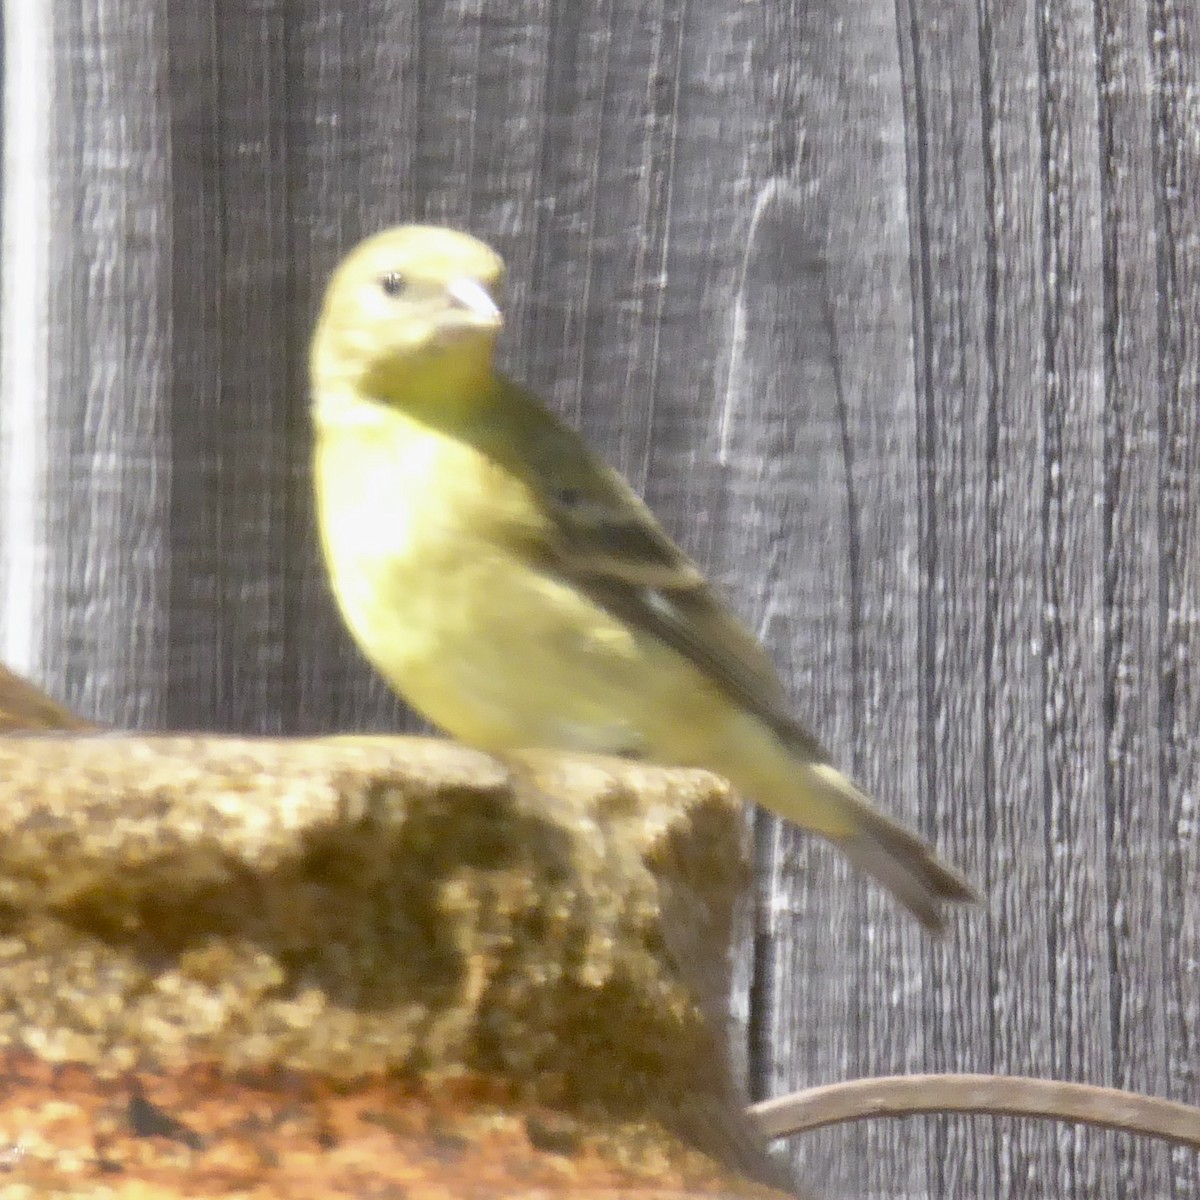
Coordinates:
x,y
892,309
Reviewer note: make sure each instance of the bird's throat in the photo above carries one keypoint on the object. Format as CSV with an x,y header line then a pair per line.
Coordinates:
x,y
443,386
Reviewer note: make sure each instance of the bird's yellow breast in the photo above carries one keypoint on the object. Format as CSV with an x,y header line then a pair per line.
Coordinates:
x,y
422,538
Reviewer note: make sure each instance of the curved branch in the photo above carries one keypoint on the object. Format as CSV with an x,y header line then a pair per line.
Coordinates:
x,y
997,1095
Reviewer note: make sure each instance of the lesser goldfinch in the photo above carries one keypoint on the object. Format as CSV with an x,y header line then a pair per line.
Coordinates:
x,y
514,589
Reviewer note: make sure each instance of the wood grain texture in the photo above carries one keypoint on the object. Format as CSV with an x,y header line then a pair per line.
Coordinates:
x,y
1175,45
91,337
890,309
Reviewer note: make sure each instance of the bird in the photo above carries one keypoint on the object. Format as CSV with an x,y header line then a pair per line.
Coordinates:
x,y
515,590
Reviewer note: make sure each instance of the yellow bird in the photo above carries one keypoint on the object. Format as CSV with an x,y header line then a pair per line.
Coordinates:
x,y
514,589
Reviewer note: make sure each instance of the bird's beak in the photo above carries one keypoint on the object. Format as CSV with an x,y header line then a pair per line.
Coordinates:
x,y
471,296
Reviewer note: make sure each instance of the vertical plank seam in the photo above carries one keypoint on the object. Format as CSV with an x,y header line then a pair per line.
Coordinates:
x,y
1050,515
920,273
1110,484
987,126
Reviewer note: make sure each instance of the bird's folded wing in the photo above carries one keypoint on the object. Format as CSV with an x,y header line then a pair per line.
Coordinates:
x,y
599,535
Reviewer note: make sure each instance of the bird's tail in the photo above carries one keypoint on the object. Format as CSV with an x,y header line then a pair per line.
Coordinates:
x,y
779,771
893,856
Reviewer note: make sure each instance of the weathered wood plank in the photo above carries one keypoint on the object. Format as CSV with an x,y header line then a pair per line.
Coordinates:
x,y
947,183
1174,38
234,406
1073,647
1132,560
824,357
92,341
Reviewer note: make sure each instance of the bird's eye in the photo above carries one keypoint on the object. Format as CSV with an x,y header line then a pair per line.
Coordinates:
x,y
393,284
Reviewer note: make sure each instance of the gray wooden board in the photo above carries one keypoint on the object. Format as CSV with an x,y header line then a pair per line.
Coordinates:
x,y
889,309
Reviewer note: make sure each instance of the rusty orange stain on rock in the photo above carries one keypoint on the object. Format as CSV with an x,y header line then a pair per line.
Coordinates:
x,y
202,1132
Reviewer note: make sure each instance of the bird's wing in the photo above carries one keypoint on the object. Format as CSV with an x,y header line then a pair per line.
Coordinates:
x,y
599,535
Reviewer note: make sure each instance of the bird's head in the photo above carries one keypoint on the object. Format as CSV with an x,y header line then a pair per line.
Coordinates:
x,y
413,307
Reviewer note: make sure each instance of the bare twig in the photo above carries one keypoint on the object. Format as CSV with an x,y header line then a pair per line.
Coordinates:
x,y
998,1095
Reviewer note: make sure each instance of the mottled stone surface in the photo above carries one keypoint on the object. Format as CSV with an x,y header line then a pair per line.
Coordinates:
x,y
199,1133
25,707
216,935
